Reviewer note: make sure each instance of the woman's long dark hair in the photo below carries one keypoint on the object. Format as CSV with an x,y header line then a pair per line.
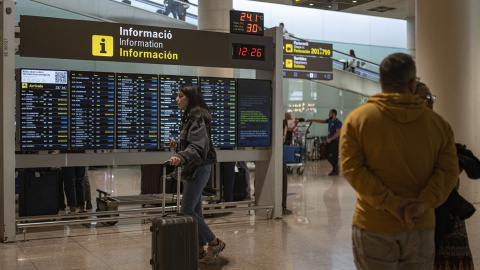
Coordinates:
x,y
197,107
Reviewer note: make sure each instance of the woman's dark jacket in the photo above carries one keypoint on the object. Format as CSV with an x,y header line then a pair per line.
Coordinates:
x,y
195,147
456,207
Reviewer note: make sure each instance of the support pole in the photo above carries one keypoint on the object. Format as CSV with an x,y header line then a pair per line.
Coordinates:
x,y
7,124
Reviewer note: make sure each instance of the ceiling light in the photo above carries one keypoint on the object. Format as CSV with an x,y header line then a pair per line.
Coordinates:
x,y
311,4
354,1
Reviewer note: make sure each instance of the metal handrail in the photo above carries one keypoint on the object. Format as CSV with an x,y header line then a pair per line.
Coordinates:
x,y
207,209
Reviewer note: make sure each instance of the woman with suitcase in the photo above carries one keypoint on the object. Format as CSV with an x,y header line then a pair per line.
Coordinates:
x,y
195,153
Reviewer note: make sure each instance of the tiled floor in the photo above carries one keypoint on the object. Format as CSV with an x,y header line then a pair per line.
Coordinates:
x,y
314,235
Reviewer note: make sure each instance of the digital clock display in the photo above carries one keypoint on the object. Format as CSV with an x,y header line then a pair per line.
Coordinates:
x,y
248,52
245,22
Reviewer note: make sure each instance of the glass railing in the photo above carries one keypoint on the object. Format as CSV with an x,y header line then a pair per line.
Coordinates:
x,y
182,10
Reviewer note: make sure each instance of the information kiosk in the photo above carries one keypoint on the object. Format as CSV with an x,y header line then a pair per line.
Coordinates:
x,y
131,119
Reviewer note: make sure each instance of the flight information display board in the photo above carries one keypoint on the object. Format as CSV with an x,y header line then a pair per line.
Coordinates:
x,y
43,107
170,115
92,110
254,122
219,94
137,111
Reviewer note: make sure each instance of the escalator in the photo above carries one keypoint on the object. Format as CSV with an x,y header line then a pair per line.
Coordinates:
x,y
121,12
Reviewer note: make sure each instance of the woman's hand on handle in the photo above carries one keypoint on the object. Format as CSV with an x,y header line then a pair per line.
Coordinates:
x,y
174,161
172,144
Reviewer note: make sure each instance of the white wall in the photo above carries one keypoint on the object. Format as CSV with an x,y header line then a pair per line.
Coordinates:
x,y
331,26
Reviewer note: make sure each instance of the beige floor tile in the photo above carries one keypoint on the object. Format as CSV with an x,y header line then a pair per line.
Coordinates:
x,y
314,235
21,264
70,261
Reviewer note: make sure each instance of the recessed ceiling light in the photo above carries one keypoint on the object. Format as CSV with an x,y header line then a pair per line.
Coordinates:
x,y
354,1
311,4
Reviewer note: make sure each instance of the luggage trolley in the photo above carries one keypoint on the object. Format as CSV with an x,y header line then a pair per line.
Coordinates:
x,y
294,155
106,202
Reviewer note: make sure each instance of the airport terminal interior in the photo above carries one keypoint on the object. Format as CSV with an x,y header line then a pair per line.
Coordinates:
x,y
312,231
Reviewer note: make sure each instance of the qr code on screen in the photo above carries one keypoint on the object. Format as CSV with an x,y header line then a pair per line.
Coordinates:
x,y
61,77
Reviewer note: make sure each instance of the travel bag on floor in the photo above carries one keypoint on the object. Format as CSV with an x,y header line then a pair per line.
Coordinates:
x,y
240,185
38,192
174,238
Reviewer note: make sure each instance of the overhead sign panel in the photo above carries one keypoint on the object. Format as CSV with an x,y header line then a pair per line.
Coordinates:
x,y
102,41
303,63
299,47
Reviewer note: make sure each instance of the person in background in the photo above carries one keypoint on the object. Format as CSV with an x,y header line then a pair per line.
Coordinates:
x,y
351,62
288,126
196,154
88,192
331,147
452,250
286,35
399,171
243,164
182,9
170,6
74,188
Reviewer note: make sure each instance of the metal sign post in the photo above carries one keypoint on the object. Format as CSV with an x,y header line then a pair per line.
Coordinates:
x,y
7,124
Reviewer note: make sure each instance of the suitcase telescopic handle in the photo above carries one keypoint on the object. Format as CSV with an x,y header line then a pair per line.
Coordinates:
x,y
179,176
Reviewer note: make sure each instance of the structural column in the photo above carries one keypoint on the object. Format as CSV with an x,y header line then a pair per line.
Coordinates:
x,y
214,15
411,36
448,61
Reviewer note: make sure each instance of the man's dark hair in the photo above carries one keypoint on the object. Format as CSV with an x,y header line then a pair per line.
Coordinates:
x,y
334,111
397,70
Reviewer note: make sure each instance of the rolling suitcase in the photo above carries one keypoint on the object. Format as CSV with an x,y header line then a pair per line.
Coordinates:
x,y
174,238
38,192
240,185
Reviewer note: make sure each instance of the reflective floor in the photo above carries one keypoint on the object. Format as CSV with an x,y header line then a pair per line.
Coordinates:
x,y
314,233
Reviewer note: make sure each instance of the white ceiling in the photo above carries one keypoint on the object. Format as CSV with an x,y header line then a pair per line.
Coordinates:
x,y
403,8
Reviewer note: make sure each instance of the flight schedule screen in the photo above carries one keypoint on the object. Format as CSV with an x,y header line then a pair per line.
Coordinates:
x,y
254,122
170,115
137,111
219,94
92,110
43,109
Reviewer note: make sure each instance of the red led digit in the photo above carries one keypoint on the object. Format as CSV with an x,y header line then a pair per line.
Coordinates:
x,y
252,54
244,51
259,52
249,17
242,17
255,28
256,17
249,27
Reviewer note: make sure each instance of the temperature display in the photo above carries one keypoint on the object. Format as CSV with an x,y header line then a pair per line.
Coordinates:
x,y
245,22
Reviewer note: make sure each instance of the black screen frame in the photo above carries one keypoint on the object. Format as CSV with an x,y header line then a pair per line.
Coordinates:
x,y
239,142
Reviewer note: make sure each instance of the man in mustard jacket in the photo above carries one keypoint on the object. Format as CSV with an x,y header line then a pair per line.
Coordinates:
x,y
400,158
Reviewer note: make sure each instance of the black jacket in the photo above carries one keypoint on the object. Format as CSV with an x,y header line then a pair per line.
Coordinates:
x,y
456,207
195,148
